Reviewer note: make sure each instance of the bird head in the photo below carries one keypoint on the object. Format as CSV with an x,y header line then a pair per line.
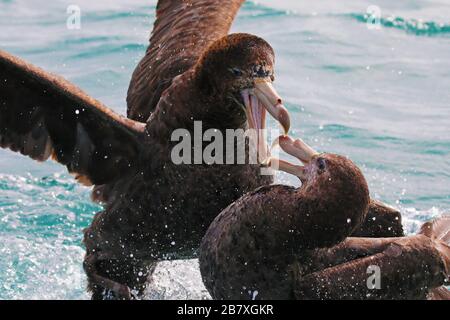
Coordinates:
x,y
238,72
332,182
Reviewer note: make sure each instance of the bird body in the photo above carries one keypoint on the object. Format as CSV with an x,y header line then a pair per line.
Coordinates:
x,y
281,242
154,208
252,245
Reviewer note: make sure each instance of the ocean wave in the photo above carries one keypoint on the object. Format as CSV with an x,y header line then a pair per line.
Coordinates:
x,y
253,9
413,26
108,49
139,13
364,136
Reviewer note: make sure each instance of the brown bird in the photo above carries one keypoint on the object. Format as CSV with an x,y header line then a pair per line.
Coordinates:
x,y
280,242
154,209
381,221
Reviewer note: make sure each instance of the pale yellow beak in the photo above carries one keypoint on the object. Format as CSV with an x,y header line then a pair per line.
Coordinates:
x,y
297,148
259,100
273,103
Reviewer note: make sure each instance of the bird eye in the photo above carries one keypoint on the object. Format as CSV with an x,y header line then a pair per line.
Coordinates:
x,y
237,72
262,73
321,164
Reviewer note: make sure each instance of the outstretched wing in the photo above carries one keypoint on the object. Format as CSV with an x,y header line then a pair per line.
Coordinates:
x,y
42,115
182,31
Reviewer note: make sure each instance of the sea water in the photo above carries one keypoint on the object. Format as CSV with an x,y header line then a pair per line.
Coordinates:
x,y
367,79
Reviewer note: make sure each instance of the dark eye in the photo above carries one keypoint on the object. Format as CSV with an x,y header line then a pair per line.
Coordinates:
x,y
237,72
321,164
262,73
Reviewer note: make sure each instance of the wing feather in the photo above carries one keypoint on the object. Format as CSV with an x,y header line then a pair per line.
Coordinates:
x,y
42,115
182,31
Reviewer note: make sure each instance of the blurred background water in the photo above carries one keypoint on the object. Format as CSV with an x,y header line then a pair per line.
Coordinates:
x,y
379,95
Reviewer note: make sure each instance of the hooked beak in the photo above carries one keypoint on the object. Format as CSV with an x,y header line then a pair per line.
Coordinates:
x,y
263,98
300,150
273,103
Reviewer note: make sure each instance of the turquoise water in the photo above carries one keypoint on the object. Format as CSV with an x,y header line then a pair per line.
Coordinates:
x,y
380,96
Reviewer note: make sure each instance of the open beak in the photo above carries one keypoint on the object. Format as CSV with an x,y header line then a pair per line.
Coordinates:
x,y
263,98
300,150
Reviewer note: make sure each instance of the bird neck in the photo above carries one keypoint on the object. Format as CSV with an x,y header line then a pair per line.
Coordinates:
x,y
185,104
216,107
329,216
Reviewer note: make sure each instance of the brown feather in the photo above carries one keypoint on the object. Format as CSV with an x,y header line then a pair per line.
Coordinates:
x,y
183,30
42,115
381,221
409,268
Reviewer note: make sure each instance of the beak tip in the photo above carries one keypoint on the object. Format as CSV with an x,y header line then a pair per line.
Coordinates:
x,y
284,120
285,142
273,103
